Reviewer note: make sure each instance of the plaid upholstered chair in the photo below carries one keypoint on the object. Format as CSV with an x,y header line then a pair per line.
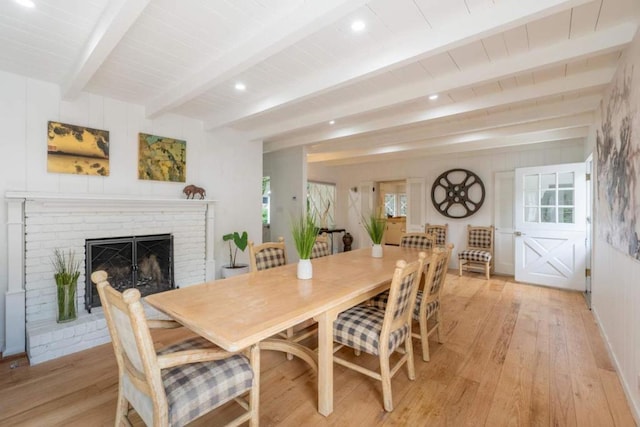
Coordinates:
x,y
427,304
440,231
418,241
180,383
321,247
381,332
479,252
267,255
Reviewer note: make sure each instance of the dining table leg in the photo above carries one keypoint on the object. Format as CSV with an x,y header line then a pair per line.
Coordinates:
x,y
325,362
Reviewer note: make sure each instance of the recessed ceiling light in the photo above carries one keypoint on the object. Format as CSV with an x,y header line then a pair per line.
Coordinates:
x,y
332,122
26,3
240,86
433,97
357,26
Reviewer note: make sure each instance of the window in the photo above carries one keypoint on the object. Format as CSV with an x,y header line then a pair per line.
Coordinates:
x,y
549,198
266,200
321,203
395,204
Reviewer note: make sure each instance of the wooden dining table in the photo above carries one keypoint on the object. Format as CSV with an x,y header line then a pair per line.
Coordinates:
x,y
239,311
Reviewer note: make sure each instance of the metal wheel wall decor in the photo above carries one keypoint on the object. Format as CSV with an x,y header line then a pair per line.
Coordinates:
x,y
457,193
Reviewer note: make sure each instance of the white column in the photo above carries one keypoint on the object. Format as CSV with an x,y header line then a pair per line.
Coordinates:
x,y
15,296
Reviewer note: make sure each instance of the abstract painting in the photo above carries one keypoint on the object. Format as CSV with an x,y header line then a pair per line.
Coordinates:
x,y
161,159
77,150
618,162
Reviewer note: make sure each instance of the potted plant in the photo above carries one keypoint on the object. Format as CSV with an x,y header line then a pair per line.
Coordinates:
x,y
304,233
375,227
240,241
67,271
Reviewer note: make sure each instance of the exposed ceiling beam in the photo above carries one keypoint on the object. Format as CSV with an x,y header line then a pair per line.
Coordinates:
x,y
403,49
568,51
528,114
114,23
276,35
587,80
572,135
466,138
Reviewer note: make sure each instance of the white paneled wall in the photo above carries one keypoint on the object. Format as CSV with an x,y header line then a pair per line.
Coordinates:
x,y
226,164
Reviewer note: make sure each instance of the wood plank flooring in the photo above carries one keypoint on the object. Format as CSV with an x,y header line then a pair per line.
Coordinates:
x,y
513,354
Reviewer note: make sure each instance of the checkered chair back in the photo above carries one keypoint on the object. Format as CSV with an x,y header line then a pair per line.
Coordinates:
x,y
480,238
439,269
166,396
402,296
440,231
267,255
321,247
417,240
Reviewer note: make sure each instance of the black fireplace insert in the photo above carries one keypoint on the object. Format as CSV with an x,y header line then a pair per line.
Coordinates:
x,y
141,262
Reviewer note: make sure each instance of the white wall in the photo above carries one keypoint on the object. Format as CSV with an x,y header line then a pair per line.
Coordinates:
x,y
288,172
615,284
225,164
482,163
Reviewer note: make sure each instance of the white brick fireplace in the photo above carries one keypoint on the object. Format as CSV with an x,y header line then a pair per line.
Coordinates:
x,y
40,223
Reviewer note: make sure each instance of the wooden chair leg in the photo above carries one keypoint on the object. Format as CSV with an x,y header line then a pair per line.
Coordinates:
x,y
459,267
408,347
438,323
487,270
385,377
122,408
424,340
289,337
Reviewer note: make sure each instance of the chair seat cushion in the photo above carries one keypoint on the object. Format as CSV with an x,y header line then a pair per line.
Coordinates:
x,y
197,388
359,327
474,255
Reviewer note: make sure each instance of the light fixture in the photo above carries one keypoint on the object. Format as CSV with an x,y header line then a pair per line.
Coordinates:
x,y
332,122
433,97
240,86
357,26
26,3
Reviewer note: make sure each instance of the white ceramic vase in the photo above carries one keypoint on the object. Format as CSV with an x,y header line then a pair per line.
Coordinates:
x,y
376,251
305,269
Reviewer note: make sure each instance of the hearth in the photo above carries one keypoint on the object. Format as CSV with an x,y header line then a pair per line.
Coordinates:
x,y
141,262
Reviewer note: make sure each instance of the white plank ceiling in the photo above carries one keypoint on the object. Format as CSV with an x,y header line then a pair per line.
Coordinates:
x,y
506,72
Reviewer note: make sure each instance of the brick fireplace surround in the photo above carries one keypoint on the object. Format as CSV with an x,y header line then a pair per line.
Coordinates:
x,y
40,223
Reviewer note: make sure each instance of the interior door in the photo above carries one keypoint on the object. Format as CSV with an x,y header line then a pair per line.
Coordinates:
x,y
589,230
550,225
503,220
415,205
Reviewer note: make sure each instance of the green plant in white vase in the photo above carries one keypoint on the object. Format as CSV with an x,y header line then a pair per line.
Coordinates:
x,y
304,233
375,227
67,271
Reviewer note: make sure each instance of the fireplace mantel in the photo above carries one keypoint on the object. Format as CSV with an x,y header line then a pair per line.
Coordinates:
x,y
39,221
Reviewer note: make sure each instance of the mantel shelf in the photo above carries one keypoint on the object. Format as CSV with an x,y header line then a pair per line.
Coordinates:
x,y
99,198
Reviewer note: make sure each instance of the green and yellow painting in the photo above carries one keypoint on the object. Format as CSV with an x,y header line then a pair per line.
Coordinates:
x,y
161,159
77,150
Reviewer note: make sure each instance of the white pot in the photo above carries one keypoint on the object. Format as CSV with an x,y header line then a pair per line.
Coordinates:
x,y
228,271
376,251
305,269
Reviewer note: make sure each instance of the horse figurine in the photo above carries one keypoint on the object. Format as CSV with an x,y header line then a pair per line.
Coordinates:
x,y
192,190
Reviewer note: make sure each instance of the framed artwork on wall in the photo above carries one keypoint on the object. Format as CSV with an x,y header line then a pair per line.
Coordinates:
x,y
618,163
161,158
77,149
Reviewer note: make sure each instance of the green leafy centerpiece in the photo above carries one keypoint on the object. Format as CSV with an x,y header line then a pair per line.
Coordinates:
x,y
67,271
375,227
304,233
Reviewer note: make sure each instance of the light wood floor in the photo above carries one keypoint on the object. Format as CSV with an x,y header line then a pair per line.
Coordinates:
x,y
513,355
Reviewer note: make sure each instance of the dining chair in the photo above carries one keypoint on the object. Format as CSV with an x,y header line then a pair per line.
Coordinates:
x,y
418,240
440,231
321,247
479,252
381,332
426,308
180,383
267,255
